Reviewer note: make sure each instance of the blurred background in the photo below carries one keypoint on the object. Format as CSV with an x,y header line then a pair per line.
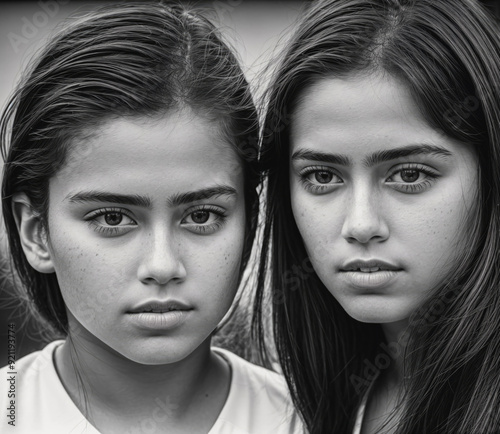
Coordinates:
x,y
256,29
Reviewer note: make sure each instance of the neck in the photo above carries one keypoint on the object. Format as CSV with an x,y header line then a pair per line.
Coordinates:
x,y
396,337
114,385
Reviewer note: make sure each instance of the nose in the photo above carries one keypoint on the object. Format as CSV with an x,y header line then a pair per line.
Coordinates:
x,y
364,221
161,262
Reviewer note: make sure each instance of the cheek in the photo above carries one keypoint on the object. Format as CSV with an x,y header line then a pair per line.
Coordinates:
x,y
227,259
435,231
304,213
317,224
217,265
89,281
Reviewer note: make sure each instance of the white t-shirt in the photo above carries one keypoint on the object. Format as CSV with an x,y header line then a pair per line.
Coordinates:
x,y
258,400
360,414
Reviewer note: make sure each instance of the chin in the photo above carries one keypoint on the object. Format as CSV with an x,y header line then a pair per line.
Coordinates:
x,y
372,313
154,352
155,357
369,318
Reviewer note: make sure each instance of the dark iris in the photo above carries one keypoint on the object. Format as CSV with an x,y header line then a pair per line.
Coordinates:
x,y
113,218
323,177
409,175
200,216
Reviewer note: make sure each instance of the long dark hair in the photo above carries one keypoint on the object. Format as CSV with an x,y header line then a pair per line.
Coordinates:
x,y
124,60
447,53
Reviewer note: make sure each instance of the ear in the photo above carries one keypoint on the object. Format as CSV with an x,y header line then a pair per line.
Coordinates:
x,y
33,237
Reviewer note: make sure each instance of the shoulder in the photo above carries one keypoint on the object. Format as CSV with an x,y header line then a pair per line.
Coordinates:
x,y
258,400
36,401
255,377
31,369
24,377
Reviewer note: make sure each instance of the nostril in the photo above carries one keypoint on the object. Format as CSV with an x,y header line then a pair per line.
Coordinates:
x,y
161,272
365,231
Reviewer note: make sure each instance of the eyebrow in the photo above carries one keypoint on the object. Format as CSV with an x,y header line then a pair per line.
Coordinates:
x,y
307,154
101,196
145,201
207,193
393,154
373,159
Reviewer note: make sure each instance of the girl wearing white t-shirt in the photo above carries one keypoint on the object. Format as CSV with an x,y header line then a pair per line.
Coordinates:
x,y
129,197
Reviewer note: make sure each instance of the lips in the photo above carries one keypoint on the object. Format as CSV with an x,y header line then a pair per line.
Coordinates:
x,y
369,275
376,281
160,316
368,266
157,306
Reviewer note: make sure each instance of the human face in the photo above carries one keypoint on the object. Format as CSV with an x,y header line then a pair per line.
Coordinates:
x,y
379,196
146,230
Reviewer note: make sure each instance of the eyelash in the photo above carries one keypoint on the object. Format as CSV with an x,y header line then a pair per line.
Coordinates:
x,y
200,228
203,228
431,176
316,188
110,231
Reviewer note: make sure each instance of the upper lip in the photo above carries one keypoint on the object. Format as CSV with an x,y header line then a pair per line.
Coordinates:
x,y
358,264
159,306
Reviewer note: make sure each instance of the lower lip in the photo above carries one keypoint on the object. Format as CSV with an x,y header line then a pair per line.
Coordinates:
x,y
160,321
377,279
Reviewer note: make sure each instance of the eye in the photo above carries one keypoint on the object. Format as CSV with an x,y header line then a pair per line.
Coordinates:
x,y
319,179
113,218
323,177
110,221
408,175
205,219
200,217
412,178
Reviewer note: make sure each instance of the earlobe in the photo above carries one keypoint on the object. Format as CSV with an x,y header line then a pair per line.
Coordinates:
x,y
31,232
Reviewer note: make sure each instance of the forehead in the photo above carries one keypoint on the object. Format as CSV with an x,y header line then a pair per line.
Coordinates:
x,y
359,115
378,102
178,151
